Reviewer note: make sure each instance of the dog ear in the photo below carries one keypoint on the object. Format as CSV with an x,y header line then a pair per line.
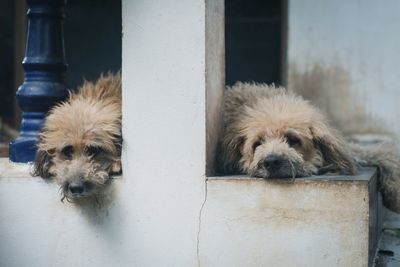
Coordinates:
x,y
42,164
118,143
230,154
116,167
337,157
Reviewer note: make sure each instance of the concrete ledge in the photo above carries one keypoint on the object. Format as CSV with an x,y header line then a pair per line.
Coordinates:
x,y
47,232
316,221
10,169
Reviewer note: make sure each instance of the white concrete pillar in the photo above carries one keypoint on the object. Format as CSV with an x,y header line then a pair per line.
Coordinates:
x,y
165,58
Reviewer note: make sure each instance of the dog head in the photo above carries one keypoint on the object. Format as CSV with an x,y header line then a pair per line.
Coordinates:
x,y
80,145
284,136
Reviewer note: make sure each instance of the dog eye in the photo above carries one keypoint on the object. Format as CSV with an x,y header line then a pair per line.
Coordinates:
x,y
293,141
93,150
67,151
256,144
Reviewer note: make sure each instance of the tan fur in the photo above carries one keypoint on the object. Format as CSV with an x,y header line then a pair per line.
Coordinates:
x,y
270,132
88,123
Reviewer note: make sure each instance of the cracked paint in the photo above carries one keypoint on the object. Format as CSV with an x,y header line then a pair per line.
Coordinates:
x,y
199,226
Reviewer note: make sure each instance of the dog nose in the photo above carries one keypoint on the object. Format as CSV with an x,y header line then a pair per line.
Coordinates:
x,y
273,162
76,188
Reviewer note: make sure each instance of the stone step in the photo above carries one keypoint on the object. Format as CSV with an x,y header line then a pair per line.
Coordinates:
x,y
317,221
388,251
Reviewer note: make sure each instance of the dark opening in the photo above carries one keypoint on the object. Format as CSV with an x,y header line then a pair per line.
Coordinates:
x,y
93,39
8,50
255,37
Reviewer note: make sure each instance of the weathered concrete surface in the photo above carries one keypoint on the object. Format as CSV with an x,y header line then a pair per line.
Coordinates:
x,y
215,78
324,221
38,230
388,252
344,56
10,169
169,50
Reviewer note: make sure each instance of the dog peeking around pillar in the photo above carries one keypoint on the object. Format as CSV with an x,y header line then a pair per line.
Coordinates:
x,y
80,142
270,132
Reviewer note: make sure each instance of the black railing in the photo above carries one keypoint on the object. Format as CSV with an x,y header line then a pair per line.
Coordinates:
x,y
44,65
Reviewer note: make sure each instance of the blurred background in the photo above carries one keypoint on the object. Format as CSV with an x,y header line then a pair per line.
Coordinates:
x,y
342,55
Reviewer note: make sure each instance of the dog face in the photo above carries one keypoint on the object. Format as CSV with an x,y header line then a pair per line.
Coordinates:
x,y
80,143
281,153
283,136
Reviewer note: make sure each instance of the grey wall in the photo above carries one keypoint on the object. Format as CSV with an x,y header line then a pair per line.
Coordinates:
x,y
343,55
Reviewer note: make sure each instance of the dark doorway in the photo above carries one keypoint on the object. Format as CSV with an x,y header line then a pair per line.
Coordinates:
x,y
93,39
255,38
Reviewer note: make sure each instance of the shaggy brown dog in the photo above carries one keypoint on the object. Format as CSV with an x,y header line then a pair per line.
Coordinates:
x,y
80,142
270,132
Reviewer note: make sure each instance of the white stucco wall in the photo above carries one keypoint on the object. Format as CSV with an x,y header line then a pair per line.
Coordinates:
x,y
163,66
343,55
38,230
319,221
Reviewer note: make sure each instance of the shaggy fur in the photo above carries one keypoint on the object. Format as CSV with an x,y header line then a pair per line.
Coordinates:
x,y
270,132
80,142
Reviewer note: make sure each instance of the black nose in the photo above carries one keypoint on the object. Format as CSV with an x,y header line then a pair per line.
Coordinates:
x,y
76,188
273,162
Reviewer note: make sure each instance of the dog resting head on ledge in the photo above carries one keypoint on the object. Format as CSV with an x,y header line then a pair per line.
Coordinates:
x,y
270,132
80,142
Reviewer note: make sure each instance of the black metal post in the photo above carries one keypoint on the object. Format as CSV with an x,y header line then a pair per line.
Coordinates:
x,y
44,65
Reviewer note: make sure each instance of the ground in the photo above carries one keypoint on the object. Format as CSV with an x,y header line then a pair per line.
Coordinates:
x,y
388,254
